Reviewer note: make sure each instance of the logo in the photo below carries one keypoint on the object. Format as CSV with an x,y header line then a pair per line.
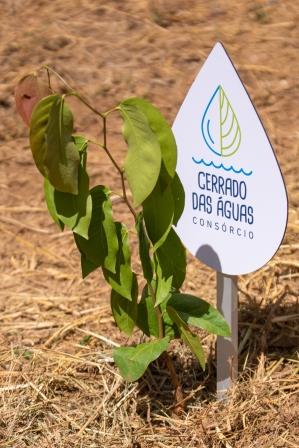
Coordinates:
x,y
220,127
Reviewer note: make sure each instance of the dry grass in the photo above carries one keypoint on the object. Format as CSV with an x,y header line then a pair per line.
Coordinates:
x,y
58,384
71,395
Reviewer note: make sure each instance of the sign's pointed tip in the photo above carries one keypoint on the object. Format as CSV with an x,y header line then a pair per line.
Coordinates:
x,y
219,45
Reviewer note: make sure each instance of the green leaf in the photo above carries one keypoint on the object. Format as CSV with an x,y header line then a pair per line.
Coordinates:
x,y
191,339
87,266
38,131
49,197
72,210
195,311
158,210
121,280
143,160
125,311
171,256
162,131
230,132
81,144
178,195
164,284
170,328
102,245
75,210
110,229
144,248
62,157
147,319
53,148
133,361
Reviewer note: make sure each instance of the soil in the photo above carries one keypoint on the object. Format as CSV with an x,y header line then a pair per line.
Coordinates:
x,y
58,385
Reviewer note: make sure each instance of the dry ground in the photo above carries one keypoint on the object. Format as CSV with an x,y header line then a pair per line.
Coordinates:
x,y
58,386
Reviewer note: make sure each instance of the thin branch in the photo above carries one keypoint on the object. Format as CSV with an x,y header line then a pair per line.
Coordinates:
x,y
49,79
72,92
110,111
49,69
86,103
125,196
104,146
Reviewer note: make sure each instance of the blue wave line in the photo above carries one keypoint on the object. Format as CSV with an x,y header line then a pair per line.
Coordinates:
x,y
221,166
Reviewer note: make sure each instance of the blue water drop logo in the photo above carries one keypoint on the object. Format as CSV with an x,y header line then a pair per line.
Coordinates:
x,y
220,127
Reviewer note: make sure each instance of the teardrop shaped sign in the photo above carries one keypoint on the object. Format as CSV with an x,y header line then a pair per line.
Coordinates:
x,y
236,205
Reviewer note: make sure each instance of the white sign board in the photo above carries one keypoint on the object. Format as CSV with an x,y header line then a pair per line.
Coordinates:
x,y
236,203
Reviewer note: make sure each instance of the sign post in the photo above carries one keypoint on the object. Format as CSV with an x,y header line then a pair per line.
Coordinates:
x,y
236,207
227,348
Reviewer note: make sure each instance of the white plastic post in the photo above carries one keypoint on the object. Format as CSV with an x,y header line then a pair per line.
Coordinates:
x,y
227,348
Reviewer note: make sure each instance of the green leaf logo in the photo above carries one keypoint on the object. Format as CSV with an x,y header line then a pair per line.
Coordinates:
x,y
220,127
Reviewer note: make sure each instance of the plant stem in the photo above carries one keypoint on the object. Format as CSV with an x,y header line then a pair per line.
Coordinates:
x,y
49,78
49,69
71,92
157,311
179,396
125,196
86,103
160,322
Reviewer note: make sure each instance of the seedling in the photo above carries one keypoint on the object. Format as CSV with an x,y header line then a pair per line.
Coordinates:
x,y
151,301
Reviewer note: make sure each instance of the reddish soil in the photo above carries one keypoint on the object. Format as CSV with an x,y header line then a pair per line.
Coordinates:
x,y
59,389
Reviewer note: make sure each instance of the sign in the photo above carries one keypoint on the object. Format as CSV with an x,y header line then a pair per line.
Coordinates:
x,y
236,203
